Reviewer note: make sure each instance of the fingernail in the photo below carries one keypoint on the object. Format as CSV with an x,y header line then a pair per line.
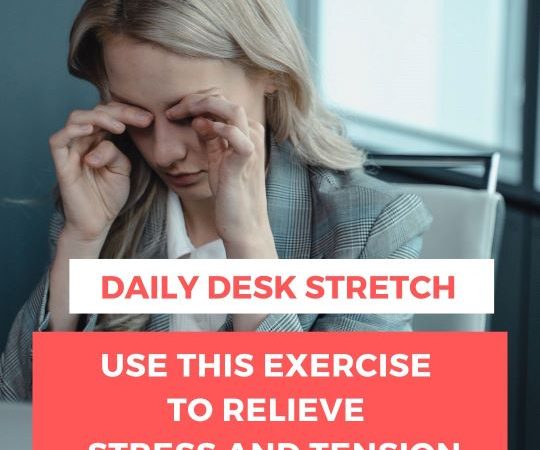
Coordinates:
x,y
94,158
200,121
143,116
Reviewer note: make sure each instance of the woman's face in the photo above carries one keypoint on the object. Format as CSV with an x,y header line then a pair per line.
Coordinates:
x,y
154,79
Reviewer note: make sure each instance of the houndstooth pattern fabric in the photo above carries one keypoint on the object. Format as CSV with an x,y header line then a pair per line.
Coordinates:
x,y
314,213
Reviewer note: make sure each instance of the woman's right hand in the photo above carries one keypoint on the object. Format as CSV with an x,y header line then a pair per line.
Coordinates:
x,y
93,174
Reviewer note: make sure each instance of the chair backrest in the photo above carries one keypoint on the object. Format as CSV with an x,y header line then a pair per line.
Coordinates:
x,y
467,223
16,425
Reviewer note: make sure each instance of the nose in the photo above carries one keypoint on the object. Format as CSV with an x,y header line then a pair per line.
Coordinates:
x,y
170,143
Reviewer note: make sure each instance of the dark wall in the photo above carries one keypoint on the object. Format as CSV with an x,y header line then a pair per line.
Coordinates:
x,y
511,302
532,393
37,93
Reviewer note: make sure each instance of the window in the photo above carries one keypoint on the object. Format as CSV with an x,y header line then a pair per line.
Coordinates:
x,y
293,6
434,76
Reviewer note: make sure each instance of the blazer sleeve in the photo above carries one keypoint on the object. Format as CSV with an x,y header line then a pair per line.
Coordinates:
x,y
373,322
16,361
395,234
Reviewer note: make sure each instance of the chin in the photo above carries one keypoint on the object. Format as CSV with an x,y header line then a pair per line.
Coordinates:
x,y
191,193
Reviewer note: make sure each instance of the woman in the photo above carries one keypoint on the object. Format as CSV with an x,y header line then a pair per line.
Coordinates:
x,y
209,141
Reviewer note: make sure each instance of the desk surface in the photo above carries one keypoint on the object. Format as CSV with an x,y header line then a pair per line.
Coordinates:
x,y
16,426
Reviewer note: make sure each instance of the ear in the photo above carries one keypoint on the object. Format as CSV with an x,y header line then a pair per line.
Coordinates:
x,y
270,89
270,84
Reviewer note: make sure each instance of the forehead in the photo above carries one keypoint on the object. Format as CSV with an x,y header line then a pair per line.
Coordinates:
x,y
148,73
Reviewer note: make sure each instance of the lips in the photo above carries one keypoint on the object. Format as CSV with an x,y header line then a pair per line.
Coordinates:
x,y
184,179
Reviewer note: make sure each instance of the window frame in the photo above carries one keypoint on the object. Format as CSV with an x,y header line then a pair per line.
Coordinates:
x,y
520,170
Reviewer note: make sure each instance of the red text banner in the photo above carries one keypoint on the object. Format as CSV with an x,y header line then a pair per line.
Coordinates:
x,y
270,391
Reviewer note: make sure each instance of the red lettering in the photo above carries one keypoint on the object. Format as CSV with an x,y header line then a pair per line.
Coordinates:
x,y
264,288
414,289
335,279
213,287
284,287
188,287
105,292
238,287
399,279
136,287
441,287
358,290
376,285
313,283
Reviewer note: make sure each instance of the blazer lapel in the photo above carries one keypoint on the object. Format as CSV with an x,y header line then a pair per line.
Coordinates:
x,y
158,322
154,246
288,193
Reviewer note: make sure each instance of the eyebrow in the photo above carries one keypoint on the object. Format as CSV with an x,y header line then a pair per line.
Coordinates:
x,y
129,102
168,105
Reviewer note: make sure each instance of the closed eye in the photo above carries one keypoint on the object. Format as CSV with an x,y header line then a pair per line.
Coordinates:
x,y
185,122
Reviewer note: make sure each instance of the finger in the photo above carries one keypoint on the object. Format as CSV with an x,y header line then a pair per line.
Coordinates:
x,y
197,104
106,154
179,110
213,142
59,142
257,127
82,145
128,114
257,131
257,134
100,119
211,131
63,137
112,119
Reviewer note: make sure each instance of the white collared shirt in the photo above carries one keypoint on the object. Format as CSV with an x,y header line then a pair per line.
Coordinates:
x,y
179,246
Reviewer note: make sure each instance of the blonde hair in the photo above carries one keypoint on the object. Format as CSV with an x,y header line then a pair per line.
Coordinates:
x,y
258,35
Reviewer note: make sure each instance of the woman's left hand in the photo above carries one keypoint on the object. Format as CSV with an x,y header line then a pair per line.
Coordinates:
x,y
235,146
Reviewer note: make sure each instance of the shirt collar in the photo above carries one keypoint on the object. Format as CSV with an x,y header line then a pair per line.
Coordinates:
x,y
178,242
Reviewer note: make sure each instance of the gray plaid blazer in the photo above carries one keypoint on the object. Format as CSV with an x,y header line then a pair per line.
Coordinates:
x,y
314,213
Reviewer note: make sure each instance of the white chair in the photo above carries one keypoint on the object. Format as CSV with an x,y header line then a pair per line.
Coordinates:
x,y
15,426
467,223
